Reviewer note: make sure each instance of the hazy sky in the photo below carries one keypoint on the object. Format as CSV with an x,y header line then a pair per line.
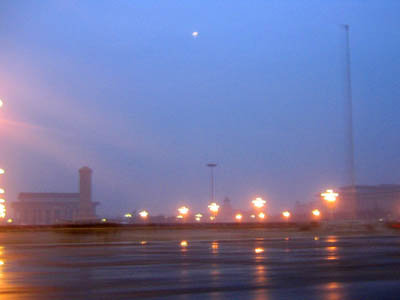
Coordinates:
x,y
123,87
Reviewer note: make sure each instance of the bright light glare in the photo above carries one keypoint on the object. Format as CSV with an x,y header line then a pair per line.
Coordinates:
x,y
2,171
2,200
179,217
330,195
144,214
238,217
9,220
1,103
128,215
213,207
183,210
258,202
261,215
2,191
316,212
1,262
259,250
104,220
184,244
195,34
2,210
286,214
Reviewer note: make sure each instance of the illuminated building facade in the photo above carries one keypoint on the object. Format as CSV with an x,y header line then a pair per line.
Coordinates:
x,y
53,208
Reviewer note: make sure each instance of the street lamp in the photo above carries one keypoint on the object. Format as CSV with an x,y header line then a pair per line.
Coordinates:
x,y
238,217
330,196
286,214
212,166
183,211
316,213
213,207
259,202
143,214
198,217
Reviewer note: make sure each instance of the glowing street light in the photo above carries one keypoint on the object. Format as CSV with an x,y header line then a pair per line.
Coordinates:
x,y
286,214
2,171
198,217
259,202
261,215
330,196
183,210
259,250
2,191
213,207
238,217
316,213
1,103
143,214
128,215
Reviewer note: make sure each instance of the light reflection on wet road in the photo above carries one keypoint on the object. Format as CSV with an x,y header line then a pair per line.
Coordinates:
x,y
330,268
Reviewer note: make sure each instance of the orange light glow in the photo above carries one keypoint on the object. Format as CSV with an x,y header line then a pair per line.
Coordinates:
x,y
213,207
2,211
143,242
330,195
253,216
212,218
286,214
316,213
184,243
238,217
179,217
1,262
259,250
214,245
258,202
144,214
183,210
261,215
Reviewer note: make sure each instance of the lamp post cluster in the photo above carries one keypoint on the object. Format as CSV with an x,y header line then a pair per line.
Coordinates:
x,y
258,210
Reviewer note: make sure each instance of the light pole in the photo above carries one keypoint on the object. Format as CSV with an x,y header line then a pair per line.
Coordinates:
x,y
2,200
212,166
330,197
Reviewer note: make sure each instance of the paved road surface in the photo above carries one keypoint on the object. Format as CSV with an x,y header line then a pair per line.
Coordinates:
x,y
330,268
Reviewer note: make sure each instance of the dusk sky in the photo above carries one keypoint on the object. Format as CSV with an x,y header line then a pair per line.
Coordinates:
x,y
124,88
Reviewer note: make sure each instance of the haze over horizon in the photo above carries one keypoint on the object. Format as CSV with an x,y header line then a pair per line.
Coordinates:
x,y
124,88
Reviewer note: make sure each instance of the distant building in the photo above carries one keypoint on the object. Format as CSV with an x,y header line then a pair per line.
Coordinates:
x,y
52,208
226,213
369,201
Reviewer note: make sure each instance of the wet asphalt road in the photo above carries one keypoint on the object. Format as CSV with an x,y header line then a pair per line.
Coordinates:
x,y
330,268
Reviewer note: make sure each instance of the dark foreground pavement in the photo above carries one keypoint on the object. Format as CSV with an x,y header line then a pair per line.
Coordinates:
x,y
331,268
